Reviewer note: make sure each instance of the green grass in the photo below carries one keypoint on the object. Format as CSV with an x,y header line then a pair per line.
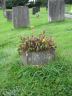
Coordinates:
x,y
67,7
53,79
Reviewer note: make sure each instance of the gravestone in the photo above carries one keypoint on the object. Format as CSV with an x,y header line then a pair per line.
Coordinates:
x,y
35,10
9,16
56,10
20,16
46,7
39,9
4,13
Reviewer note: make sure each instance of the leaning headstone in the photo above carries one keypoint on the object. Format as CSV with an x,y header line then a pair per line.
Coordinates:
x,y
9,16
35,10
20,16
4,13
56,10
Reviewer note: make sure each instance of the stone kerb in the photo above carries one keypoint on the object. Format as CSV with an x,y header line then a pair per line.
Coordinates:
x,y
9,16
37,58
56,10
20,16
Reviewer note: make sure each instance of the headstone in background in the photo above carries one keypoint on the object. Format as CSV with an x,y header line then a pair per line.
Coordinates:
x,y
4,13
56,10
46,7
9,16
20,16
39,9
35,10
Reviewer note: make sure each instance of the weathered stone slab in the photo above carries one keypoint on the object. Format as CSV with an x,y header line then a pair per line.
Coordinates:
x,y
35,10
20,16
56,10
9,16
37,58
4,13
68,16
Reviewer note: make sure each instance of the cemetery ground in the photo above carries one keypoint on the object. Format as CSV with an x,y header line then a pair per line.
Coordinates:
x,y
53,79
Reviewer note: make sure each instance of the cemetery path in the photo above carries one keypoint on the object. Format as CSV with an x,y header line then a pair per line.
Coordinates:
x,y
68,16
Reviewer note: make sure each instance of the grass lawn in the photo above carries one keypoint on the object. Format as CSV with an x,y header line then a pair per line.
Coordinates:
x,y
68,8
53,79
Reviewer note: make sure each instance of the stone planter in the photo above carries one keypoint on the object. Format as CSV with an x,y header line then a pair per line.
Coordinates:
x,y
37,58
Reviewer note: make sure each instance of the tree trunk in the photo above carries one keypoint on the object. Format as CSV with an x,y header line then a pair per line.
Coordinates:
x,y
3,4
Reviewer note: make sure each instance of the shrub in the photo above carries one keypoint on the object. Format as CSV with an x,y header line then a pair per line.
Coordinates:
x,y
31,5
13,3
9,4
36,4
68,1
36,43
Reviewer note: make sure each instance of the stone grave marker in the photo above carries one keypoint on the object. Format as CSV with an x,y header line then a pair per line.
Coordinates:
x,y
9,16
20,16
46,7
35,10
4,13
56,10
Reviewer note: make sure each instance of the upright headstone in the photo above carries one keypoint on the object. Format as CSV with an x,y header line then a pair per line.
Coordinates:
x,y
4,13
56,10
9,16
39,8
46,7
35,10
20,16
